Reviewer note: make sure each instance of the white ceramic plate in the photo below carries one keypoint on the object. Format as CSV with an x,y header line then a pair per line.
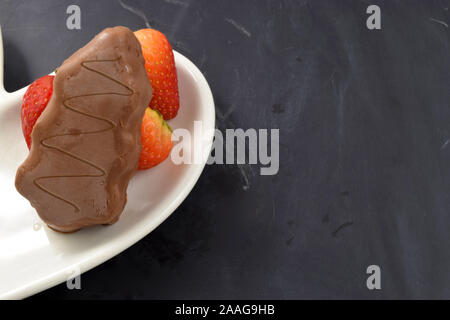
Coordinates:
x,y
33,257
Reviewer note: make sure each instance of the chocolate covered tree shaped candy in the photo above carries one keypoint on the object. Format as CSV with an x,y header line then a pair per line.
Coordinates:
x,y
86,144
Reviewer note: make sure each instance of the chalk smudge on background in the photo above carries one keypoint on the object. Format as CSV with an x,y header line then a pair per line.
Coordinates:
x,y
439,22
137,12
177,3
239,27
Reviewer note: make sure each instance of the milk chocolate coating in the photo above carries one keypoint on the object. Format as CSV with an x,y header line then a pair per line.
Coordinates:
x,y
87,142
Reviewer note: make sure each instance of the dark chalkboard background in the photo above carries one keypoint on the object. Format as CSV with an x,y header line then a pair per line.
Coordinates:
x,y
364,121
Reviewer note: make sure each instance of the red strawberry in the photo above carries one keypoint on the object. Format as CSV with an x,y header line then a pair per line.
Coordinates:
x,y
160,66
156,139
34,102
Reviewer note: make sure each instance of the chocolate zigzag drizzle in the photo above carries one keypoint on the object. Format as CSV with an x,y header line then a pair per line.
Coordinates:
x,y
44,142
